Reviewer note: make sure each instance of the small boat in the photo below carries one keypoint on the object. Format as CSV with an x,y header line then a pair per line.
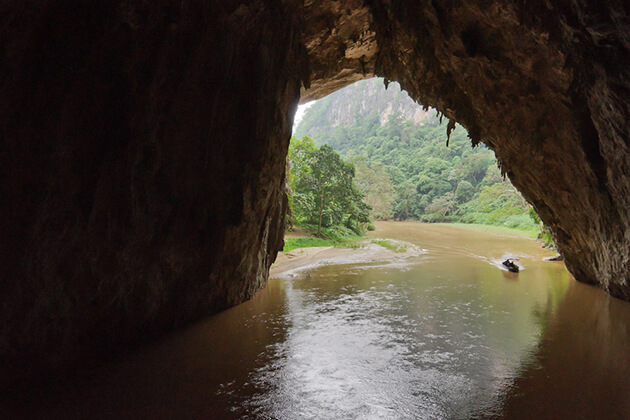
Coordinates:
x,y
509,263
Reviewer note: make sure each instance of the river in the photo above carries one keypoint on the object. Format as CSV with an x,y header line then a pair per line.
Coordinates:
x,y
444,335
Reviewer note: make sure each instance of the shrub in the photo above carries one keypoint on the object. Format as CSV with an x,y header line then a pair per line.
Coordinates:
x,y
432,218
337,233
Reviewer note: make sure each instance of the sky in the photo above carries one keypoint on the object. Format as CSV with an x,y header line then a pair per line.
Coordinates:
x,y
300,113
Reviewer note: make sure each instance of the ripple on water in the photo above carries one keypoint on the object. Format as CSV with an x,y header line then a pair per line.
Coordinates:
x,y
359,354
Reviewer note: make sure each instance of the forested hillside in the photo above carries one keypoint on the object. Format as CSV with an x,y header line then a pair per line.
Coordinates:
x,y
359,105
403,164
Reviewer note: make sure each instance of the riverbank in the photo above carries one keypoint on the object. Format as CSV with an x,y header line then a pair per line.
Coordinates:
x,y
304,252
498,230
306,238
365,251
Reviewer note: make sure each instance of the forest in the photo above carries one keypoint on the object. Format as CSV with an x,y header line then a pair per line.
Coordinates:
x,y
404,167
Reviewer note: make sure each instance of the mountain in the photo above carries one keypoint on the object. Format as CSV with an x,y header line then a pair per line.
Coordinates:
x,y
364,100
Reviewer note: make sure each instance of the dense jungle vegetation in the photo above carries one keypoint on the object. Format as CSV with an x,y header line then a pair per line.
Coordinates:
x,y
402,166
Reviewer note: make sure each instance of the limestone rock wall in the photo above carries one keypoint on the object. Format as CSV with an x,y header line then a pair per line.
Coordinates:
x,y
341,44
142,157
143,144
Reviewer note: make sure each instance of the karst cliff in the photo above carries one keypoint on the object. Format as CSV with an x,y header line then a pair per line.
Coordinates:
x,y
143,144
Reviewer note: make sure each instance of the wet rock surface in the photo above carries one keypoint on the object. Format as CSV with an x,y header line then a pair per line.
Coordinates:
x,y
142,146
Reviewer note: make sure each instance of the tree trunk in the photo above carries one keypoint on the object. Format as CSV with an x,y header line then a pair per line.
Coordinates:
x,y
321,210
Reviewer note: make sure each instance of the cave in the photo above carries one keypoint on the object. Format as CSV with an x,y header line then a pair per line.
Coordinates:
x,y
144,144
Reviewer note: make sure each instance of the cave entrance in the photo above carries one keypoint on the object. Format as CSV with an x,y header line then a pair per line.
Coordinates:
x,y
407,166
437,303
540,98
143,147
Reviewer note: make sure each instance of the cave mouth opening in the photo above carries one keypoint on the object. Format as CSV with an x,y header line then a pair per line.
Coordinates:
x,y
525,88
408,164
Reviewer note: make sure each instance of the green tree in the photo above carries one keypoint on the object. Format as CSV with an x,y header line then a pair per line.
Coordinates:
x,y
464,191
300,155
474,167
499,201
403,206
321,182
443,205
374,183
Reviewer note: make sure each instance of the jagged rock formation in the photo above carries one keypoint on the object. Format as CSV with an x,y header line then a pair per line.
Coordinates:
x,y
543,85
142,145
357,102
341,44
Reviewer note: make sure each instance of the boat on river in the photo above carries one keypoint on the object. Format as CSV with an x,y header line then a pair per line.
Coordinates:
x,y
508,262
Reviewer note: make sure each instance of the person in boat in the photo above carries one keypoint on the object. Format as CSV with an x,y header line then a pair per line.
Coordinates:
x,y
510,265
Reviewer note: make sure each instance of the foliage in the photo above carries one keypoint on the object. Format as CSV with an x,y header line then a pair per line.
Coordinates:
x,y
321,187
545,233
305,242
443,205
310,241
375,184
464,191
338,236
337,233
403,166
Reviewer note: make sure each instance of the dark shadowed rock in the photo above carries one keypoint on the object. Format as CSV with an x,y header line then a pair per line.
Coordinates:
x,y
142,145
143,157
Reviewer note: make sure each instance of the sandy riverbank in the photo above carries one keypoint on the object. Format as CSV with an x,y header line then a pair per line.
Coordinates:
x,y
300,259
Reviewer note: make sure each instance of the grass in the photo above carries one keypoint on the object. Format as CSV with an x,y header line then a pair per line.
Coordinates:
x,y
305,242
337,236
310,241
500,230
391,246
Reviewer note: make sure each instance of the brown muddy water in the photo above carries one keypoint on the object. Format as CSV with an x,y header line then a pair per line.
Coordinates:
x,y
446,335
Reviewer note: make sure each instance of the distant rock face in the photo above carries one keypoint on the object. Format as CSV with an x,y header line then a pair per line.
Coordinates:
x,y
361,100
142,145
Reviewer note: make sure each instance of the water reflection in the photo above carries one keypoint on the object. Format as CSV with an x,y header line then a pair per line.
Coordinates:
x,y
583,363
448,337
441,340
